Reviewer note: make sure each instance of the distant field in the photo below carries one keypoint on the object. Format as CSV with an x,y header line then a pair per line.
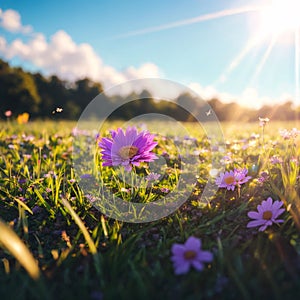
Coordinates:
x,y
231,130
76,251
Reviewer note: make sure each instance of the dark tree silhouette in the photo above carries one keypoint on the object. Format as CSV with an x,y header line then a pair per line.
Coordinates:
x,y
40,96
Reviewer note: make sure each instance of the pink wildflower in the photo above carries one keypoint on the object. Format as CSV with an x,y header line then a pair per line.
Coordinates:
x,y
189,254
266,215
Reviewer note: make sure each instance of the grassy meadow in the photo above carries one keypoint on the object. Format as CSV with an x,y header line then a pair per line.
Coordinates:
x,y
55,243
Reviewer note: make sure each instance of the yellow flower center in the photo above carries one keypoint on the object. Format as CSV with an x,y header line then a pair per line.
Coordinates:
x,y
267,215
128,151
190,254
229,180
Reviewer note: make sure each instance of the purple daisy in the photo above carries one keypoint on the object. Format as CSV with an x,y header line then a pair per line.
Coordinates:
x,y
152,177
267,214
226,180
289,134
241,176
230,179
189,254
263,121
128,148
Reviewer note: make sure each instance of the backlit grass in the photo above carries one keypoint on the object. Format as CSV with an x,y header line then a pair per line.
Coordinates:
x,y
83,254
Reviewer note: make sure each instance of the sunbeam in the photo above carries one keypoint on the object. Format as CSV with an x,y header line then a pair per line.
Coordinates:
x,y
202,18
237,60
264,58
276,20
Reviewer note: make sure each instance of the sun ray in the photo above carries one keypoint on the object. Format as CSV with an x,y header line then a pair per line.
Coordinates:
x,y
264,58
202,18
237,60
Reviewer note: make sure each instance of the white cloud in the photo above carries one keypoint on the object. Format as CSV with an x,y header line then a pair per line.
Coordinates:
x,y
146,70
10,20
205,93
249,98
63,57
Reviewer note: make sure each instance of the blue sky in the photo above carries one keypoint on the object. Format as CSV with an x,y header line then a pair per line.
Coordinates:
x,y
115,41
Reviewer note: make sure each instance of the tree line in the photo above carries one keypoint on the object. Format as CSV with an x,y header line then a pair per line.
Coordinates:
x,y
42,97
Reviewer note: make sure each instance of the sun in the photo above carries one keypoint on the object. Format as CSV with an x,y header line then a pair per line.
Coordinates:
x,y
281,16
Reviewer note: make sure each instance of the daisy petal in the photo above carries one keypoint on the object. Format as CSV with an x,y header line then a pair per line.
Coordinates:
x,y
263,228
178,249
278,213
205,256
182,268
279,221
193,243
277,204
255,223
253,215
197,265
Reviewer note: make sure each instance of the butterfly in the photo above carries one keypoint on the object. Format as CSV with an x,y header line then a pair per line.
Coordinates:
x,y
209,112
57,110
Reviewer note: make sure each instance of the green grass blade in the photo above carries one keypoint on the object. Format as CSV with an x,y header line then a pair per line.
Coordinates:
x,y
81,226
13,244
